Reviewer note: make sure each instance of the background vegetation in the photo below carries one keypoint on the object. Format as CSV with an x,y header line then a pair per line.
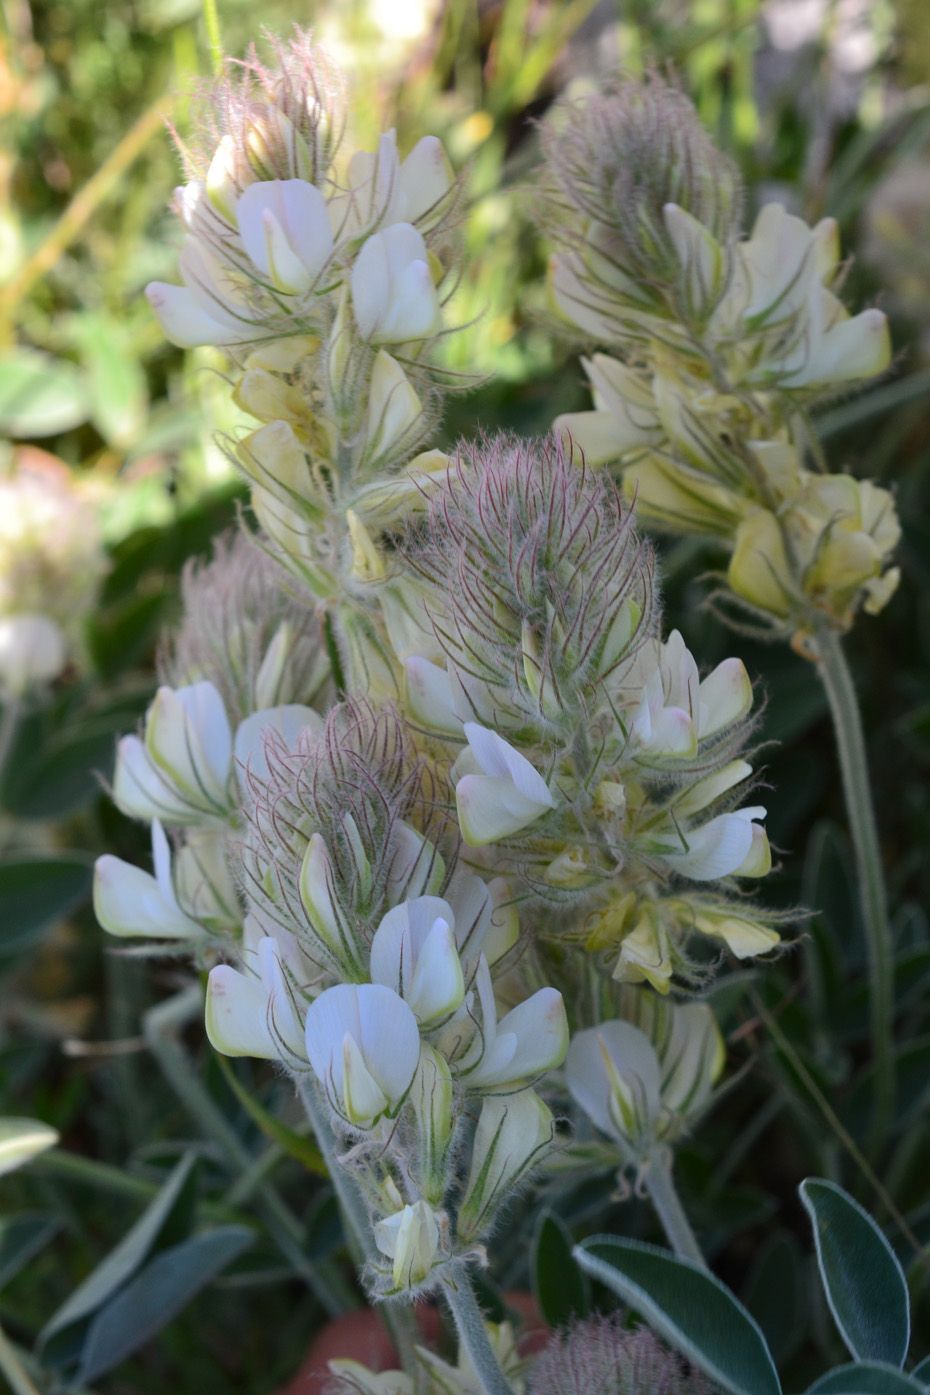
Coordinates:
x,y
826,107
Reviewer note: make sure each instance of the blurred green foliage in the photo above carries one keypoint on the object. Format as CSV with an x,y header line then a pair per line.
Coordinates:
x,y
86,174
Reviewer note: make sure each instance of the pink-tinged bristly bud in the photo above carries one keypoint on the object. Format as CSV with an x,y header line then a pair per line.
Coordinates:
x,y
337,833
255,638
644,206
544,589
602,1354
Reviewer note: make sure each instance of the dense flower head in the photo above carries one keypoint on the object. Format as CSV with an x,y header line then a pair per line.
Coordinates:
x,y
337,824
652,791
697,412
281,240
605,1355
278,122
246,629
542,590
631,177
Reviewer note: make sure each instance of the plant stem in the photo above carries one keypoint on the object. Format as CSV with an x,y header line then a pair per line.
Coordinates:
x,y
850,743
9,721
657,1179
21,1383
358,1228
473,1335
211,20
400,1322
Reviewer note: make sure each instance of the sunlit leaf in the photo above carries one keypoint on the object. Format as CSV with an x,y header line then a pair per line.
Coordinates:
x,y
40,395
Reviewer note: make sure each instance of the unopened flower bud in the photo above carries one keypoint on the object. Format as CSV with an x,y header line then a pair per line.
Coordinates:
x,y
513,1136
759,570
617,163
411,1239
432,1099
395,412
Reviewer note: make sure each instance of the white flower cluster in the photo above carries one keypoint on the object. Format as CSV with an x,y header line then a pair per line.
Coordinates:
x,y
710,361
392,795
325,283
275,259
354,967
620,771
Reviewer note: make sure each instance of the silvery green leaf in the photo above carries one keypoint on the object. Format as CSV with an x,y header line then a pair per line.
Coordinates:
x,y
862,1279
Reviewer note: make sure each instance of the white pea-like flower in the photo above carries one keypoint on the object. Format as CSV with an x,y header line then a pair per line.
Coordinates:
x,y
643,1090
414,952
363,1043
531,1039
284,226
129,902
210,307
678,710
384,190
255,1014
182,769
498,792
393,295
730,845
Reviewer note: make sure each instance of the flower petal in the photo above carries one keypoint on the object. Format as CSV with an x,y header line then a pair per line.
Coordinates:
x,y
236,1015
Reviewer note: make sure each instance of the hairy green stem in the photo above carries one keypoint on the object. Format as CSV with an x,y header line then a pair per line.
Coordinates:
x,y
161,1027
399,1321
332,653
473,1335
657,1179
850,743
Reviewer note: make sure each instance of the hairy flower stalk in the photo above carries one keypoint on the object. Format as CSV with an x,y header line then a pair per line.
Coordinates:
x,y
702,384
